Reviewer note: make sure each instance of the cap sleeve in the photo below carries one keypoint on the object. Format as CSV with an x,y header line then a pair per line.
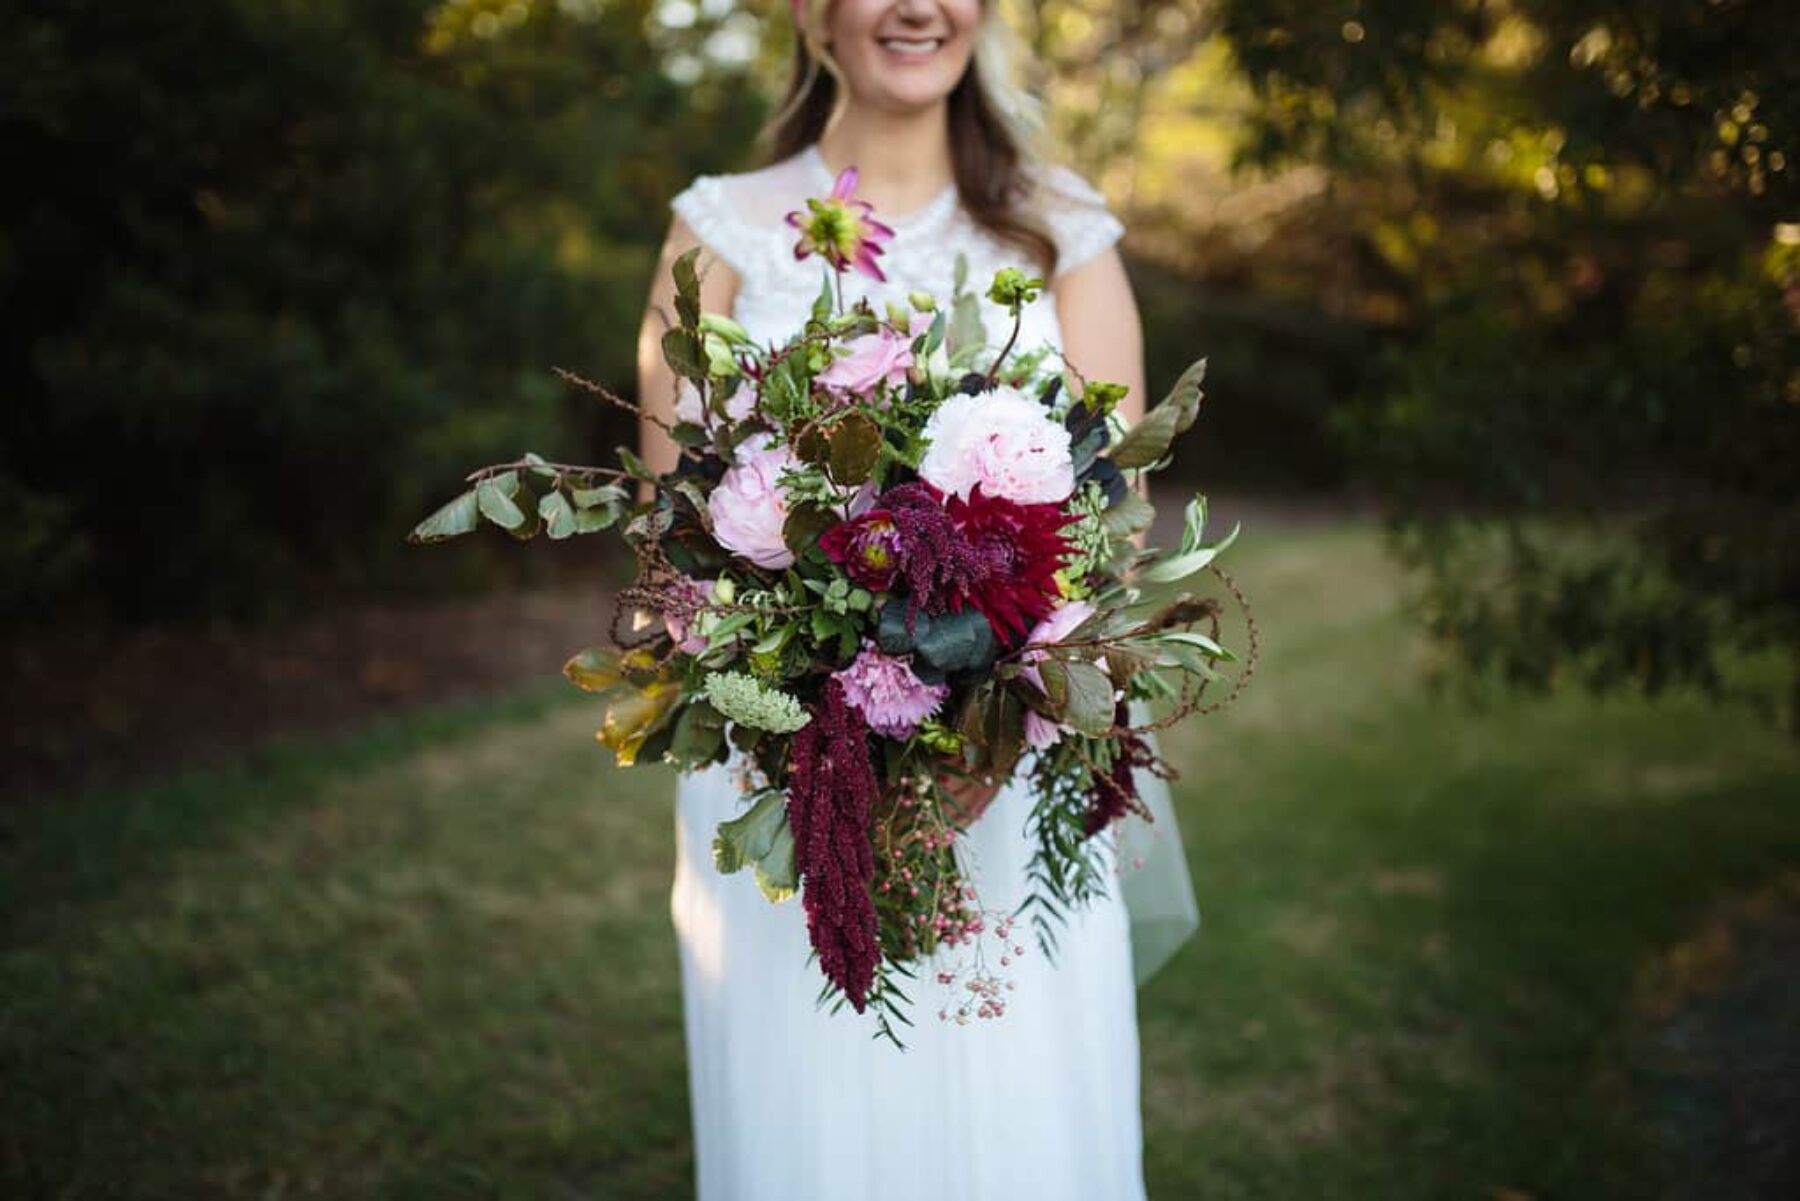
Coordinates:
x,y
708,210
1079,221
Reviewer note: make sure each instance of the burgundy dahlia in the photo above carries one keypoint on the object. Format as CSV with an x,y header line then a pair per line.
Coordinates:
x,y
866,547
993,554
1018,549
831,796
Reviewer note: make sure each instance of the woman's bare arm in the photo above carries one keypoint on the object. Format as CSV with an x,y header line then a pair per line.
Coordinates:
x,y
1103,336
656,382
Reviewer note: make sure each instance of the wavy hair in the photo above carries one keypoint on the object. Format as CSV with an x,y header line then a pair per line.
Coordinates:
x,y
996,126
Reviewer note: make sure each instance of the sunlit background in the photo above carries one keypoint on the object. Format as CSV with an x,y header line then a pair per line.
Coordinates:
x,y
315,881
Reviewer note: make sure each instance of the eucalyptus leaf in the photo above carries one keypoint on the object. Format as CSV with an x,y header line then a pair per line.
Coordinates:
x,y
684,354
966,330
1131,515
699,736
934,337
459,517
496,503
1149,440
1180,566
891,634
605,494
760,836
1088,447
558,515
958,642
1090,707
592,521
687,288
634,466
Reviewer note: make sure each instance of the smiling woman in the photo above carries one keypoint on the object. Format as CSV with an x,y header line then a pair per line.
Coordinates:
x,y
790,1102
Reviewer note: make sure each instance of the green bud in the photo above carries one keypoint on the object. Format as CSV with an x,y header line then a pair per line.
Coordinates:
x,y
724,327
1012,288
940,738
724,591
720,361
1102,397
897,315
924,302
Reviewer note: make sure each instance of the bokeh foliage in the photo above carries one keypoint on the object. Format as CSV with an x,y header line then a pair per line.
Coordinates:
x,y
1579,215
278,274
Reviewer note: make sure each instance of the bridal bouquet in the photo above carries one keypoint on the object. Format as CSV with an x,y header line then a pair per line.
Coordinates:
x,y
891,558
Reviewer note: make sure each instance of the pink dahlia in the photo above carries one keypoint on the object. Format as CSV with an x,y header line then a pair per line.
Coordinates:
x,y
842,229
886,692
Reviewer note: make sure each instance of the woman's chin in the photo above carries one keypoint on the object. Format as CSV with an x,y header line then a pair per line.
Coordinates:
x,y
912,95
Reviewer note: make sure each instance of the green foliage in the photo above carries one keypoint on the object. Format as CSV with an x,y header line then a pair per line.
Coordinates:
x,y
1586,417
762,838
1149,441
331,257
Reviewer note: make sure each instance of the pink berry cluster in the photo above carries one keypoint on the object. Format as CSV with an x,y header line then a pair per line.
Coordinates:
x,y
982,991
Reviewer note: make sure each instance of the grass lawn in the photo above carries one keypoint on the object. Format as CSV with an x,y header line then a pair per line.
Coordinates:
x,y
434,960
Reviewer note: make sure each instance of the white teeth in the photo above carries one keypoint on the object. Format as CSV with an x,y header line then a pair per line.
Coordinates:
x,y
910,47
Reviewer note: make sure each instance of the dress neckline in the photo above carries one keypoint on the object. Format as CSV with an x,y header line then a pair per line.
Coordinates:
x,y
931,208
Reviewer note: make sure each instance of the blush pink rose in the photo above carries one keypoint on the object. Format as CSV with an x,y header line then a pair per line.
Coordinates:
x,y
1002,440
748,507
880,357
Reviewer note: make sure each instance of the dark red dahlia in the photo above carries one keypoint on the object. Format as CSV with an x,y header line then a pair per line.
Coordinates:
x,y
1017,551
866,547
993,554
831,793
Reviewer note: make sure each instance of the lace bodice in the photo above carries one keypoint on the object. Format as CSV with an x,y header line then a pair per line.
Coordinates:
x,y
739,218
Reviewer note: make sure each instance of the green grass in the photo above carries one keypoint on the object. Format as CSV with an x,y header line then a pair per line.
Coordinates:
x,y
435,960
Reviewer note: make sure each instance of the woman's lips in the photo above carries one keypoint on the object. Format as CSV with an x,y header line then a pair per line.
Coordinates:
x,y
912,49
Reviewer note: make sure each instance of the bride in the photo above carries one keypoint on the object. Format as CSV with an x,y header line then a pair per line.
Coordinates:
x,y
789,1101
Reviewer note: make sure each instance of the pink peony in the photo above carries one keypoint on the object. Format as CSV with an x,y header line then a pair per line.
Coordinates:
x,y
1002,440
881,357
748,507
887,693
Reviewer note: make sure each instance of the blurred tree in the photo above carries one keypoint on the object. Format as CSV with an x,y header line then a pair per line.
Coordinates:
x,y
278,274
1588,424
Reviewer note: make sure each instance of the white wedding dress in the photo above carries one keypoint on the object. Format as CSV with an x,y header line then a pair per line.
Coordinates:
x,y
791,1102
